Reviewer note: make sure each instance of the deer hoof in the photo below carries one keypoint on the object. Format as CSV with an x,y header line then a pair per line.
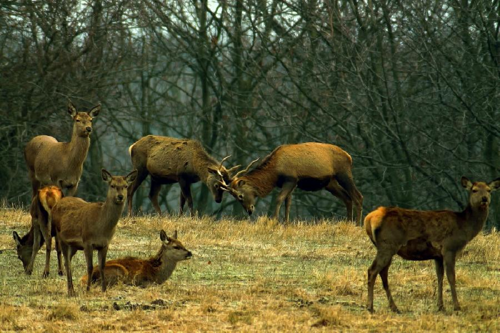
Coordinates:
x,y
60,273
29,271
45,274
395,310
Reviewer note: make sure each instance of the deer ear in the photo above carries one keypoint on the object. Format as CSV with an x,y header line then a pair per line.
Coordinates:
x,y
494,185
130,178
71,109
163,236
466,183
16,238
106,176
95,110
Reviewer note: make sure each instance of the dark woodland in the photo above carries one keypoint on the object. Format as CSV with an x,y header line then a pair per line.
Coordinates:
x,y
410,89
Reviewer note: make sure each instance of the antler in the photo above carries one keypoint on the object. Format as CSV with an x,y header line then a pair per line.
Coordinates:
x,y
223,160
246,170
226,188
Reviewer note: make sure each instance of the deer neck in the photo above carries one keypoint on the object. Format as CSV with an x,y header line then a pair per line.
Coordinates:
x,y
164,266
475,218
110,214
262,180
78,148
165,270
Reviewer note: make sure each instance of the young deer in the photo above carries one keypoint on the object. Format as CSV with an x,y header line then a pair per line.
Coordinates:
x,y
88,226
61,163
426,235
41,225
143,272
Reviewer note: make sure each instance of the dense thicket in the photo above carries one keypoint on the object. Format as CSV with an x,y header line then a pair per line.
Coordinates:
x,y
409,88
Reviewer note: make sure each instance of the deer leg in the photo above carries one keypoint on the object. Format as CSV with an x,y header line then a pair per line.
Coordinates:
x,y
154,191
383,275
88,251
440,274
132,188
382,260
68,253
449,264
336,190
35,185
186,196
47,235
288,203
101,256
286,191
34,251
59,259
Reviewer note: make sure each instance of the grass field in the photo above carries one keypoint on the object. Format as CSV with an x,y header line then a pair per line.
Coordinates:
x,y
249,276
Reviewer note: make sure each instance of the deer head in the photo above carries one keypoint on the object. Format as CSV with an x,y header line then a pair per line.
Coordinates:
x,y
173,250
218,178
82,121
117,191
479,192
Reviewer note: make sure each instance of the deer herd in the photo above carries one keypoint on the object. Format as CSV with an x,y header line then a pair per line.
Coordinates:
x,y
79,225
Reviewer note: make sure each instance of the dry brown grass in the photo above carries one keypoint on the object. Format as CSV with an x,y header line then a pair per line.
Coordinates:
x,y
249,276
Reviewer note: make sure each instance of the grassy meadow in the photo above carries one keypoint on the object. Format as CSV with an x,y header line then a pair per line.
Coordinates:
x,y
249,276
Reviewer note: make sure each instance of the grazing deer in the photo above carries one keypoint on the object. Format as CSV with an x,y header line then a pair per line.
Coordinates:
x,y
141,272
41,225
169,160
88,226
309,166
426,235
61,163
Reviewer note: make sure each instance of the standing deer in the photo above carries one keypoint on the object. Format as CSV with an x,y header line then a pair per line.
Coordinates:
x,y
426,235
88,226
169,160
309,166
141,272
41,230
61,163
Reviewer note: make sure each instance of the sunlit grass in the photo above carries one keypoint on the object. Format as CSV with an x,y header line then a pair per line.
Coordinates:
x,y
249,276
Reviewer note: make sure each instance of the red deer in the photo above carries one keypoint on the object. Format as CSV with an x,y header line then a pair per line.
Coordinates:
x,y
143,272
61,163
309,166
41,225
170,160
81,225
426,235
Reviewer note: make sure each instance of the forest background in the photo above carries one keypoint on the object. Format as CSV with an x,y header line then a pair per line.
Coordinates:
x,y
409,88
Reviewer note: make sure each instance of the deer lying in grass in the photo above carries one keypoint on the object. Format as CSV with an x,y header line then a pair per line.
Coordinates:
x,y
88,226
170,160
141,272
309,166
426,235
61,163
41,230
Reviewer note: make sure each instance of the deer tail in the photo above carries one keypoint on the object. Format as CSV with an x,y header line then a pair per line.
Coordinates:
x,y
373,223
130,149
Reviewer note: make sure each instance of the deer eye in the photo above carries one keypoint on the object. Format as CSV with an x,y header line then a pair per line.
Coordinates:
x,y
177,247
113,186
77,120
216,186
474,190
240,197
